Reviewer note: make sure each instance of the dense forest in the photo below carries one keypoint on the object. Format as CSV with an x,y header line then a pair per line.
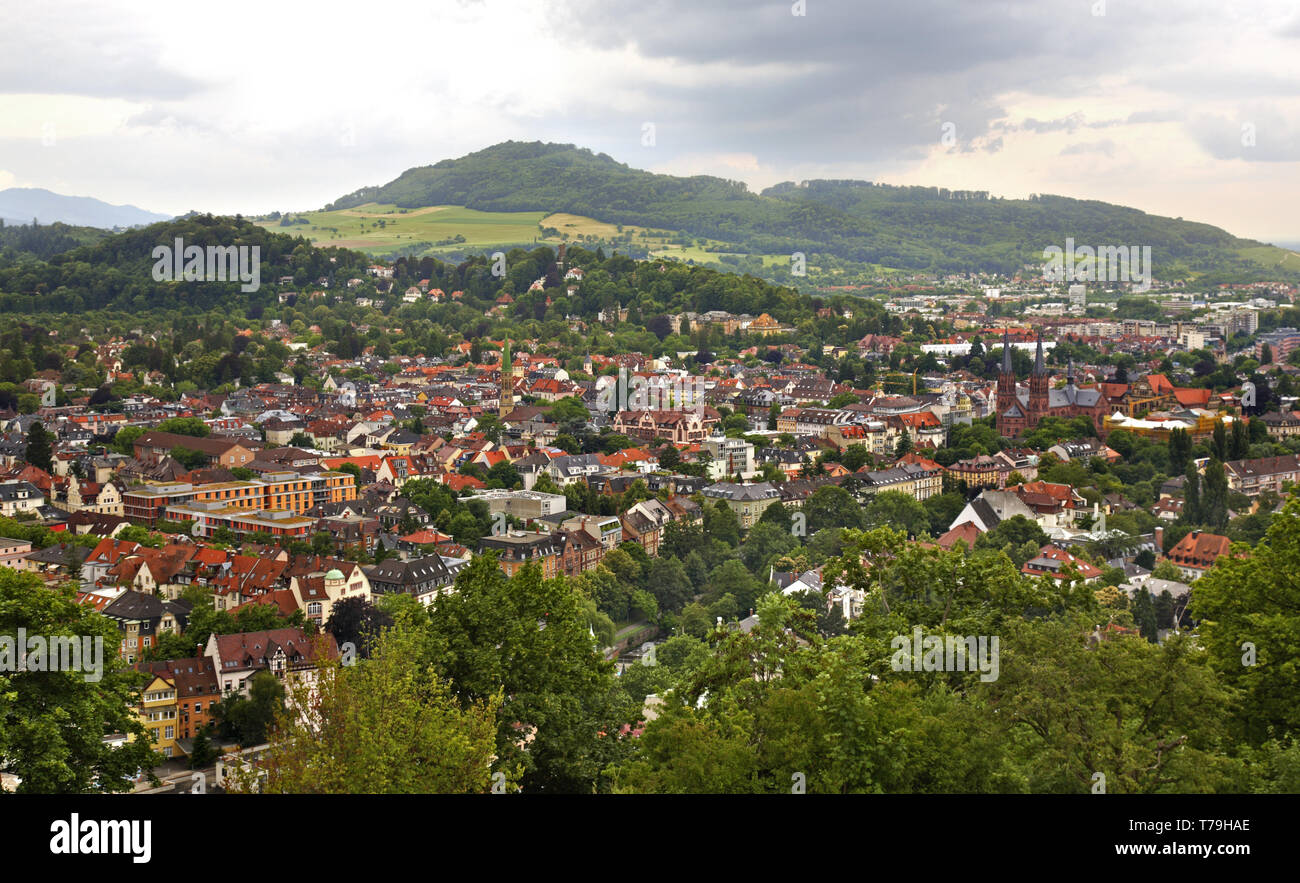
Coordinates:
x,y
26,242
117,270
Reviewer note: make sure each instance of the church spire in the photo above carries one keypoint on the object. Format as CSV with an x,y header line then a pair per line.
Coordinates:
x,y
1039,368
1069,376
507,382
1006,351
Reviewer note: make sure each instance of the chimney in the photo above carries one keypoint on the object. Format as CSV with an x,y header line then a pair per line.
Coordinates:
x,y
1160,542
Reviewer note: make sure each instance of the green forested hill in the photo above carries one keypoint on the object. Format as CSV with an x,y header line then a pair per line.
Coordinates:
x,y
903,227
117,270
20,242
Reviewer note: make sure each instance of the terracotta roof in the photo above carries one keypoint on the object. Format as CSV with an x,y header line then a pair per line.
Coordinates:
x,y
966,532
247,649
1199,549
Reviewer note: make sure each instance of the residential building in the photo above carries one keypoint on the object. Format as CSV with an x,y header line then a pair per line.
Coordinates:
x,y
517,549
416,576
157,711
747,500
1196,553
524,505
1060,565
1252,477
142,619
728,457
154,446
13,553
288,653
17,497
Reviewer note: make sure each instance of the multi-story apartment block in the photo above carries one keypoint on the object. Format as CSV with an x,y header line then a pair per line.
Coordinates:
x,y
525,505
519,548
729,457
1251,477
290,491
157,710
748,501
17,497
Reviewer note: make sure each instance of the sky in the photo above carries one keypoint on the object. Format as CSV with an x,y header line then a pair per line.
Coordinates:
x,y
1188,109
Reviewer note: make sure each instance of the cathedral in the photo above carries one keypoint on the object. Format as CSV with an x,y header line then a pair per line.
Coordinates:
x,y
1020,412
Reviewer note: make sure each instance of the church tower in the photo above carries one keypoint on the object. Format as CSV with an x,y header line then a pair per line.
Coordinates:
x,y
1006,378
1038,386
507,382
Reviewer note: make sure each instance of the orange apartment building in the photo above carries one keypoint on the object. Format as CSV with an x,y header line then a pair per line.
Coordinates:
x,y
147,504
197,691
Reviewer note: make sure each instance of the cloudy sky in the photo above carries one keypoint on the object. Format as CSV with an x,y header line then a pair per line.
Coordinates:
x,y
1188,108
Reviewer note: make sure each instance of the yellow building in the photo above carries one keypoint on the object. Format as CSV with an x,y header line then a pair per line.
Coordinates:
x,y
157,710
1158,426
766,325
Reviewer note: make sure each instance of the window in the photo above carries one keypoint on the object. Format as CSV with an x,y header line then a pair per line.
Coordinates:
x,y
169,732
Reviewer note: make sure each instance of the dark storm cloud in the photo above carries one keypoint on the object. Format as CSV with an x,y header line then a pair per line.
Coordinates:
x,y
865,81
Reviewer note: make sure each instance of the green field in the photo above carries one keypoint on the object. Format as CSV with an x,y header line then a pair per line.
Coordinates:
x,y
1271,256
375,227
381,228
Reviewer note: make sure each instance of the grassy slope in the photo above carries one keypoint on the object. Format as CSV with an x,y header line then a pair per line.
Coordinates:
x,y
358,228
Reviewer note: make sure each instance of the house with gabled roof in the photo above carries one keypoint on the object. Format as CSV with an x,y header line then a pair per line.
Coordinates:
x,y
1059,564
1196,553
288,653
143,618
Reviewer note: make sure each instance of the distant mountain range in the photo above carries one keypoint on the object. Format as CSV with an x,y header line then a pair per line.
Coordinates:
x,y
909,228
22,205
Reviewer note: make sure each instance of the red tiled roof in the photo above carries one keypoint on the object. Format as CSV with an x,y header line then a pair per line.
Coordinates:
x,y
1199,549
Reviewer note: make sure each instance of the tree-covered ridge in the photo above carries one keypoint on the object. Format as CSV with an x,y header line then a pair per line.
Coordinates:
x,y
117,271
27,242
972,225
916,228
117,274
